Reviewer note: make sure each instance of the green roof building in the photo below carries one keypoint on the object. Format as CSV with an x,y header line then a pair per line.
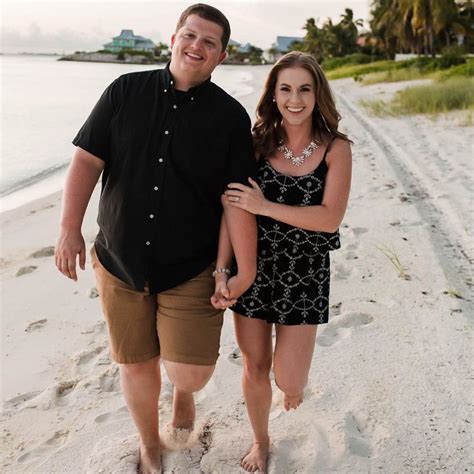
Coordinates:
x,y
127,40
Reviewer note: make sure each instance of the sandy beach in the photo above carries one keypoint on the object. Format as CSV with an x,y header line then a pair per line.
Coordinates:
x,y
390,387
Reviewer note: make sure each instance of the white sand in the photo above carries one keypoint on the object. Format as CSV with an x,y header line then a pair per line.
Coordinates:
x,y
390,386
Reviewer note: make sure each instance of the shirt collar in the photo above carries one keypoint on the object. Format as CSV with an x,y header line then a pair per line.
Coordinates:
x,y
169,82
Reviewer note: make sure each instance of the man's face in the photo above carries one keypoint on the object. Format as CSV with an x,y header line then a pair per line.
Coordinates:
x,y
196,48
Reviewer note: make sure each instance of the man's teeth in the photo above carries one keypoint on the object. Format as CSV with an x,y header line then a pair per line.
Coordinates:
x,y
194,56
295,109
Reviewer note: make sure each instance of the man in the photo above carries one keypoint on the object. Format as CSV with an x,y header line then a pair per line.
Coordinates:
x,y
168,142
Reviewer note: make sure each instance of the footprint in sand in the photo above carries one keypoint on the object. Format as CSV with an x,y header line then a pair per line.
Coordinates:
x,y
356,441
359,231
25,270
35,325
20,400
342,328
351,256
85,360
57,395
49,446
114,415
44,252
341,272
113,454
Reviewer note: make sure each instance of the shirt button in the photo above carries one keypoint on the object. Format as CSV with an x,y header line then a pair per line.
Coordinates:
x,y
171,82
160,160
147,242
156,188
167,132
165,90
151,216
175,106
192,98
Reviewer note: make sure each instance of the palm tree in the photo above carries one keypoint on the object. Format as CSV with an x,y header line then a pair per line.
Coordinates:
x,y
418,26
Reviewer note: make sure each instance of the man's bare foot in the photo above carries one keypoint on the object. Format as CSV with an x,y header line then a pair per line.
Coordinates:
x,y
149,459
293,401
256,459
184,411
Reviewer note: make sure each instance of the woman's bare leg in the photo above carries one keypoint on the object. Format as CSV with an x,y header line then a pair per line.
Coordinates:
x,y
254,337
292,360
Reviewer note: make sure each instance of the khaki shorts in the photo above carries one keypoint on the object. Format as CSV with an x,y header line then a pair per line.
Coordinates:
x,y
179,324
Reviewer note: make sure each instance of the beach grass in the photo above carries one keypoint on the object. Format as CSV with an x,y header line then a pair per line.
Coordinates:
x,y
456,93
461,70
393,258
452,94
357,71
394,75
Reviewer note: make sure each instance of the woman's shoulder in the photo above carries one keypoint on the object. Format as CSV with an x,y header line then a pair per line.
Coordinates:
x,y
338,147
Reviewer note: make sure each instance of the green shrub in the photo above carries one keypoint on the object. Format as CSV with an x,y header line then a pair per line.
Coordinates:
x,y
357,58
462,70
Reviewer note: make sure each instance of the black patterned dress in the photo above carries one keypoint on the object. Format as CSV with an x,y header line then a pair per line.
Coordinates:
x,y
293,276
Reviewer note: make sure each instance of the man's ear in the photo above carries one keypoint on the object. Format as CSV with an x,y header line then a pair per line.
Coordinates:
x,y
173,38
222,56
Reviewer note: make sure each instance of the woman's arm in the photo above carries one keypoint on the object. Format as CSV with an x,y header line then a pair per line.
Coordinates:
x,y
228,290
325,217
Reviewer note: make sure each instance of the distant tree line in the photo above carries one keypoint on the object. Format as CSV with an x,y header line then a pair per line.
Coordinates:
x,y
396,26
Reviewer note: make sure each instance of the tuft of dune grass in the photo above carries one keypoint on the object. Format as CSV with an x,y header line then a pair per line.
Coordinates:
x,y
455,93
452,94
359,70
394,75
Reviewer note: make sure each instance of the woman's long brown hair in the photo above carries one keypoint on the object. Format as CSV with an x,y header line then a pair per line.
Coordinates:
x,y
268,131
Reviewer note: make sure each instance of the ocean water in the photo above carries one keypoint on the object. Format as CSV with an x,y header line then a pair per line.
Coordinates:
x,y
44,103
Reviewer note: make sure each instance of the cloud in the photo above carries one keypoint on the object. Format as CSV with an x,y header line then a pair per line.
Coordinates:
x,y
35,40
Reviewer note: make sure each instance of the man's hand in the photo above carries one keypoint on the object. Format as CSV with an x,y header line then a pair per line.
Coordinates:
x,y
69,245
220,299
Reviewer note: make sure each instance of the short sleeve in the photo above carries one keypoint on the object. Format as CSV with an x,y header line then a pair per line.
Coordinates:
x,y
242,163
94,135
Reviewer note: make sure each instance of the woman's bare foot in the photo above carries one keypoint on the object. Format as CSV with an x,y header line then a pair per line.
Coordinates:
x,y
293,401
149,459
184,410
256,459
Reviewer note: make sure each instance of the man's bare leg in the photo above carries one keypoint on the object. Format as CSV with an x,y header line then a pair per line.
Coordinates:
x,y
141,384
187,379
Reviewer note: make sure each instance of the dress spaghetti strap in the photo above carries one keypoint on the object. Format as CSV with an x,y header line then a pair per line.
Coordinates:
x,y
328,148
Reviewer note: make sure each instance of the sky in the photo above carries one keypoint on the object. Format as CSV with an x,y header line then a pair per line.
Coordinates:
x,y
67,26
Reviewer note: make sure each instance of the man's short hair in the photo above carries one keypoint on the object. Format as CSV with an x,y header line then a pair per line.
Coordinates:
x,y
210,14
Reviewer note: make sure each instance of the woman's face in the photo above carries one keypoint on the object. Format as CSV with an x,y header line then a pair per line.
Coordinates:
x,y
295,95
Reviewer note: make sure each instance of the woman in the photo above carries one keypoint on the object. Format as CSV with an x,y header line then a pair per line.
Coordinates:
x,y
304,172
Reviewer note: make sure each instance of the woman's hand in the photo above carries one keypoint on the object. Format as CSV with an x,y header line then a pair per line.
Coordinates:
x,y
221,297
250,199
228,290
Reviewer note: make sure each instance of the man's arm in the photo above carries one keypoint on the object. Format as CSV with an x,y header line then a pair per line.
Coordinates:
x,y
82,176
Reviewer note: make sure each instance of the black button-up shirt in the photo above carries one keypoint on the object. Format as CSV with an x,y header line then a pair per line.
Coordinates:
x,y
169,156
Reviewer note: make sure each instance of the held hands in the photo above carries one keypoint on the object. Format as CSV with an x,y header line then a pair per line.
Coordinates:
x,y
227,290
250,199
69,245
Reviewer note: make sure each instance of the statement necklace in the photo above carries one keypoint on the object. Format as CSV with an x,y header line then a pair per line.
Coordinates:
x,y
299,160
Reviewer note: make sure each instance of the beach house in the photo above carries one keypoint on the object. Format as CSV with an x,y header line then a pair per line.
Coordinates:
x,y
128,40
282,45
